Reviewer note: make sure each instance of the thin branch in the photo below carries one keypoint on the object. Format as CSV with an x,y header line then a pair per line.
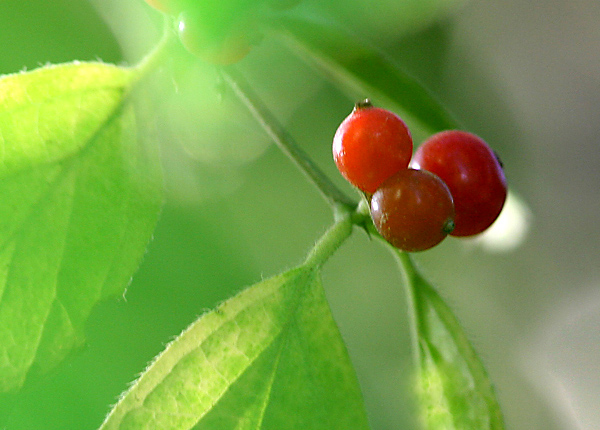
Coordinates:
x,y
284,141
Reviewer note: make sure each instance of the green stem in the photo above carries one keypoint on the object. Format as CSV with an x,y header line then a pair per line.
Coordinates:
x,y
155,57
283,139
423,301
411,277
330,241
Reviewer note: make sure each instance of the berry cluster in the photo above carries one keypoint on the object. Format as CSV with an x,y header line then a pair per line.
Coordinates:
x,y
454,183
218,31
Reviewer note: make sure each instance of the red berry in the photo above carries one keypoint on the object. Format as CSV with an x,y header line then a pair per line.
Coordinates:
x,y
211,43
473,174
370,145
413,210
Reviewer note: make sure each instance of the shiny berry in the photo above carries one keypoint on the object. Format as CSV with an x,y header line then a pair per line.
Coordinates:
x,y
413,210
473,174
370,145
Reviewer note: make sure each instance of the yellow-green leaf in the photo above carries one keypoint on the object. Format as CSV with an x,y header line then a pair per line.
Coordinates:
x,y
80,197
269,358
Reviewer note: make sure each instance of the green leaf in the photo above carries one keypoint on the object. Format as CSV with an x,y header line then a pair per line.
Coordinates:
x,y
363,70
269,358
455,391
80,198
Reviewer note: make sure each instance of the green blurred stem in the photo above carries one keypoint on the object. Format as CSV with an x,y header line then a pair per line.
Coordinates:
x,y
155,57
283,139
330,241
411,281
424,300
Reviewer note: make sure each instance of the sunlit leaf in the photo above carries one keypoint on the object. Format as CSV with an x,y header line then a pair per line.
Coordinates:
x,y
455,391
80,198
269,358
363,70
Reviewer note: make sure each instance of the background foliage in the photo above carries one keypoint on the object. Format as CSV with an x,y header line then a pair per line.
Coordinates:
x,y
522,75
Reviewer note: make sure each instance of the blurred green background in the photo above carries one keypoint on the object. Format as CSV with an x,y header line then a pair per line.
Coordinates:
x,y
524,75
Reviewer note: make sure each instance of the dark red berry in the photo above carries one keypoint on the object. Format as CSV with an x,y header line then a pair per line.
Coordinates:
x,y
370,145
413,210
473,174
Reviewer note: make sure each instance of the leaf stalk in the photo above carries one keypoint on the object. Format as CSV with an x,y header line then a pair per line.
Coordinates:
x,y
330,242
155,57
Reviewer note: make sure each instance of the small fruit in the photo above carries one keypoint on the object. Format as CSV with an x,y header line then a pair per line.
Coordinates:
x,y
212,43
413,210
370,145
473,174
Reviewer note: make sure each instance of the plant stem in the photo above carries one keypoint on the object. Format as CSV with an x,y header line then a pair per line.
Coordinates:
x,y
330,241
434,322
154,57
283,139
411,276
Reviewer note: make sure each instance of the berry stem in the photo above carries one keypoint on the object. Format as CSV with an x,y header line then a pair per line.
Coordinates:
x,y
363,104
331,240
155,57
283,139
411,280
423,301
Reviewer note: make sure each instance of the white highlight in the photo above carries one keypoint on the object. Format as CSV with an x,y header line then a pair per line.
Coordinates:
x,y
510,230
